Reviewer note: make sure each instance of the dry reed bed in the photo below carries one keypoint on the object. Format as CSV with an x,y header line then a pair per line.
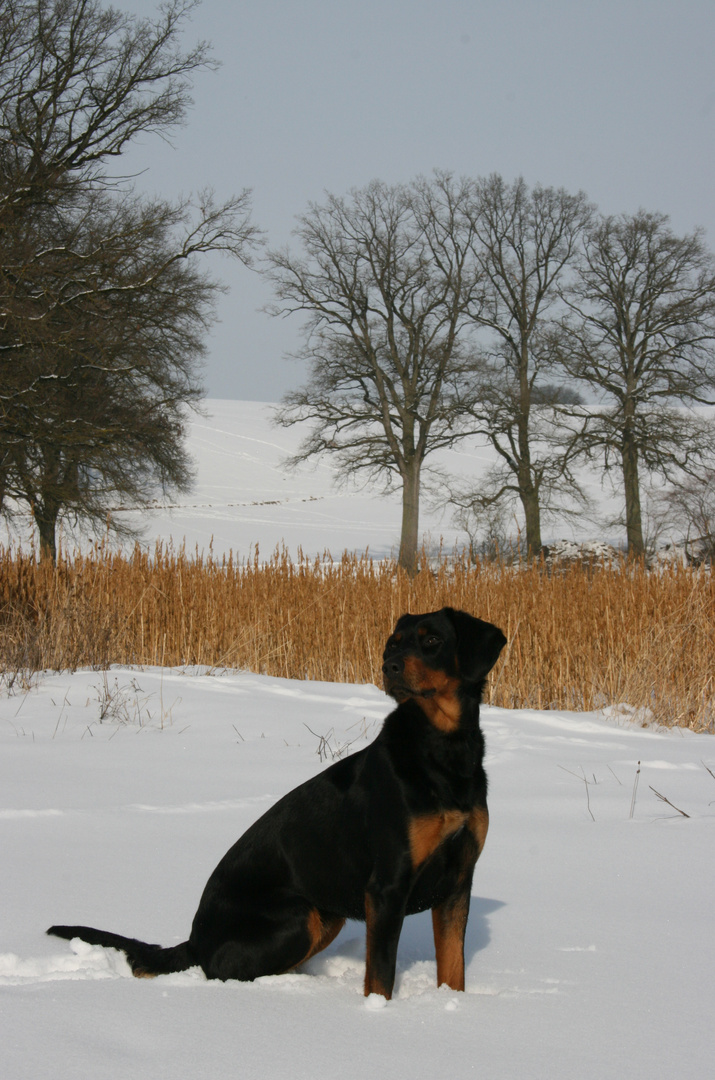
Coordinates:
x,y
578,638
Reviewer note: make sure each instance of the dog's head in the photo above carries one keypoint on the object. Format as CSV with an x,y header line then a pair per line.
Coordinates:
x,y
439,658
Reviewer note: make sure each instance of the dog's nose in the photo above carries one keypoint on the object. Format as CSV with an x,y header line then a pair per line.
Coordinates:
x,y
393,666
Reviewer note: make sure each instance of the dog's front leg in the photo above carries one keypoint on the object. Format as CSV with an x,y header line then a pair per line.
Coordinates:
x,y
384,915
449,922
449,919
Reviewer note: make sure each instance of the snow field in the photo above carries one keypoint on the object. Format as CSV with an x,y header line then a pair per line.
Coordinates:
x,y
589,946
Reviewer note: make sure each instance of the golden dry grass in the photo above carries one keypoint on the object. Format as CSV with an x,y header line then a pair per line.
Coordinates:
x,y
577,638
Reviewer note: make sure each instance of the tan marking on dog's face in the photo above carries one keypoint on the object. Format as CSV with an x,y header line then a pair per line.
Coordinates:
x,y
428,831
435,692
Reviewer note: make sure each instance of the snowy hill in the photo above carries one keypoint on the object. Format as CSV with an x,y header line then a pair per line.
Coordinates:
x,y
244,496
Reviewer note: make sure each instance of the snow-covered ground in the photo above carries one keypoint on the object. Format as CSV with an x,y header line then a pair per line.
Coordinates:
x,y
243,496
590,942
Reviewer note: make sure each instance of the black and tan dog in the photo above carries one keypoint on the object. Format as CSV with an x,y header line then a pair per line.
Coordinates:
x,y
391,830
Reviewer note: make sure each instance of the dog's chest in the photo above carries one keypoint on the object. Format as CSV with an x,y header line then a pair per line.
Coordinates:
x,y
427,832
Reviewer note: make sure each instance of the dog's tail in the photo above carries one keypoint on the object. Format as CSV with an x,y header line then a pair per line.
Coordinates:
x,y
145,960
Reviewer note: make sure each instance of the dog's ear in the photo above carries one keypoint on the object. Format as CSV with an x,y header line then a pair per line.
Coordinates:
x,y
403,622
478,644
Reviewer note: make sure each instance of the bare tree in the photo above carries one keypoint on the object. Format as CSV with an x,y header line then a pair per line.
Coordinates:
x,y
105,311
103,303
386,280
524,243
688,509
641,333
78,83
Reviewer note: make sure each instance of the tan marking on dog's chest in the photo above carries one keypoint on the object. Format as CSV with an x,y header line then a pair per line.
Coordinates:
x,y
428,831
478,824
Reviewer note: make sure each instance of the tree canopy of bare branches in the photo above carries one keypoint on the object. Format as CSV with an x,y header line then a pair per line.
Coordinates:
x,y
386,278
641,333
524,243
103,302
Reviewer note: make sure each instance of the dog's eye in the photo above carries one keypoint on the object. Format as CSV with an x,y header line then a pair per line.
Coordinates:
x,y
431,640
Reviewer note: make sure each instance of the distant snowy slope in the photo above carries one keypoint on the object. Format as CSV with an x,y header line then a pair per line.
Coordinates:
x,y
245,496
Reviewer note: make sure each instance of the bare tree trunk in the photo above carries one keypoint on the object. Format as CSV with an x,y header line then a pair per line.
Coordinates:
x,y
410,518
46,522
631,487
528,492
532,517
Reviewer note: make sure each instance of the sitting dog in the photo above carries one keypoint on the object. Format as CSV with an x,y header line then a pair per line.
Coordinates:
x,y
386,832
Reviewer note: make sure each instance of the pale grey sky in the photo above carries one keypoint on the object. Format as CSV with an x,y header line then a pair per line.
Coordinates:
x,y
614,97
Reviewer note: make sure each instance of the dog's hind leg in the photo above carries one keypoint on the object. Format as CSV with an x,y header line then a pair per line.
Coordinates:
x,y
267,945
322,929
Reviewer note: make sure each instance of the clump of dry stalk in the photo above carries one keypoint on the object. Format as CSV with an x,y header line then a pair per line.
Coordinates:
x,y
580,638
